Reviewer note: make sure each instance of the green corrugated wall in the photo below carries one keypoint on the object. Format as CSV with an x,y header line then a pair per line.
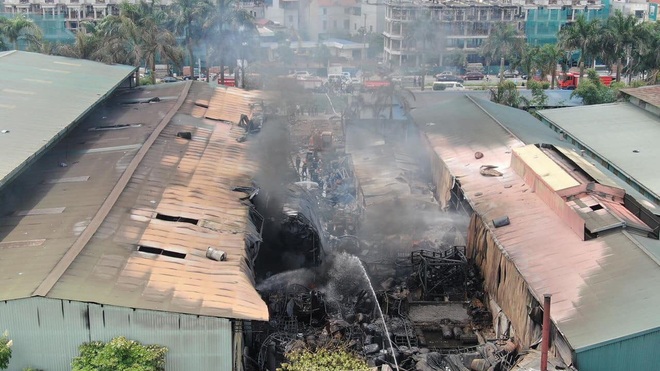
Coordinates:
x,y
638,353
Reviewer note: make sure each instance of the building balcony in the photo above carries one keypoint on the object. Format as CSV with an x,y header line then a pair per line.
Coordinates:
x,y
393,36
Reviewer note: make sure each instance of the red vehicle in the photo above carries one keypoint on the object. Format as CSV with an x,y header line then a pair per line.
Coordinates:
x,y
570,80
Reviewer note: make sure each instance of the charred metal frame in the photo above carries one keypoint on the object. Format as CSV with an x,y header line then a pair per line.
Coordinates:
x,y
441,275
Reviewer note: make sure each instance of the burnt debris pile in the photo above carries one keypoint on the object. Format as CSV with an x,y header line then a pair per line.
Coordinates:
x,y
357,254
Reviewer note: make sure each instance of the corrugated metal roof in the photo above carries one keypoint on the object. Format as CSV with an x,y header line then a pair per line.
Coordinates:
x,y
648,94
176,178
620,133
603,289
41,96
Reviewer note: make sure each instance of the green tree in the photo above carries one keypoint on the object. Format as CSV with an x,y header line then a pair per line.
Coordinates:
x,y
529,60
593,91
323,359
139,30
618,39
386,96
504,40
425,38
188,18
221,31
646,54
322,55
120,354
581,35
5,350
20,28
87,45
548,57
506,93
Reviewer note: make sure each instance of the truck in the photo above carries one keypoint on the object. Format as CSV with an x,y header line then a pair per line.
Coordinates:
x,y
569,81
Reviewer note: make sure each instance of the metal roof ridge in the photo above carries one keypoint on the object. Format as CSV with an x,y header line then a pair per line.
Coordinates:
x,y
6,53
494,119
82,240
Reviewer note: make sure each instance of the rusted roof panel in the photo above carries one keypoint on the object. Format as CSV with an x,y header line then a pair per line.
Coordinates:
x,y
178,178
228,104
603,289
648,94
191,179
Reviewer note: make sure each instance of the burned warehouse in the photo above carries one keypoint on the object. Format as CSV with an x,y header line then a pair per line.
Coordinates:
x,y
235,229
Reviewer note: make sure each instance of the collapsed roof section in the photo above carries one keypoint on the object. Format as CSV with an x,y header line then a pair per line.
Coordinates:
x,y
141,215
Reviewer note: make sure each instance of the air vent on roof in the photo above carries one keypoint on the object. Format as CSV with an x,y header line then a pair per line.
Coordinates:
x,y
159,251
181,219
214,254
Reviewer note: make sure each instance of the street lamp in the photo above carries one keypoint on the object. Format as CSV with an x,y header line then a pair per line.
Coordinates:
x,y
243,45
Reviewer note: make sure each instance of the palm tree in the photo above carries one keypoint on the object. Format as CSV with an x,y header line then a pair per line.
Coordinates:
x,y
618,35
385,97
548,56
580,35
188,18
18,28
138,35
223,25
424,34
529,60
646,53
502,42
87,44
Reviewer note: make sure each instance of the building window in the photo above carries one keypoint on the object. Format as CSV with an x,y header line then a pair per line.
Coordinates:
x,y
371,28
324,11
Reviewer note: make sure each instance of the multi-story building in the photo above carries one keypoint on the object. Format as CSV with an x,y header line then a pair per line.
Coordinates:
x,y
461,27
457,27
72,11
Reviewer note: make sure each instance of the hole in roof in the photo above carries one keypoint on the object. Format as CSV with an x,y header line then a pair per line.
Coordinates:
x,y
115,127
170,218
159,251
596,207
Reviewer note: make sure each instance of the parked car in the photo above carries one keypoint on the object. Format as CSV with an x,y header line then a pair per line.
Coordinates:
x,y
169,79
474,75
510,74
448,78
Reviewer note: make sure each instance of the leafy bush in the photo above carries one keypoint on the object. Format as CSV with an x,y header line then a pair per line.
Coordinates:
x,y
120,354
5,350
506,93
323,359
145,80
637,83
593,91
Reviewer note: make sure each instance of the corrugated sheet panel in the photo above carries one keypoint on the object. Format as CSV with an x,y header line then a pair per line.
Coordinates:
x,y
649,94
543,167
602,289
621,133
41,96
177,178
47,333
228,104
637,353
69,159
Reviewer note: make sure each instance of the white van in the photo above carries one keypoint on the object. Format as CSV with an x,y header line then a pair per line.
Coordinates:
x,y
448,85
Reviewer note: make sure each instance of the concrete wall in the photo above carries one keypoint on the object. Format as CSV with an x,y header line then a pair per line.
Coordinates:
x,y
47,332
